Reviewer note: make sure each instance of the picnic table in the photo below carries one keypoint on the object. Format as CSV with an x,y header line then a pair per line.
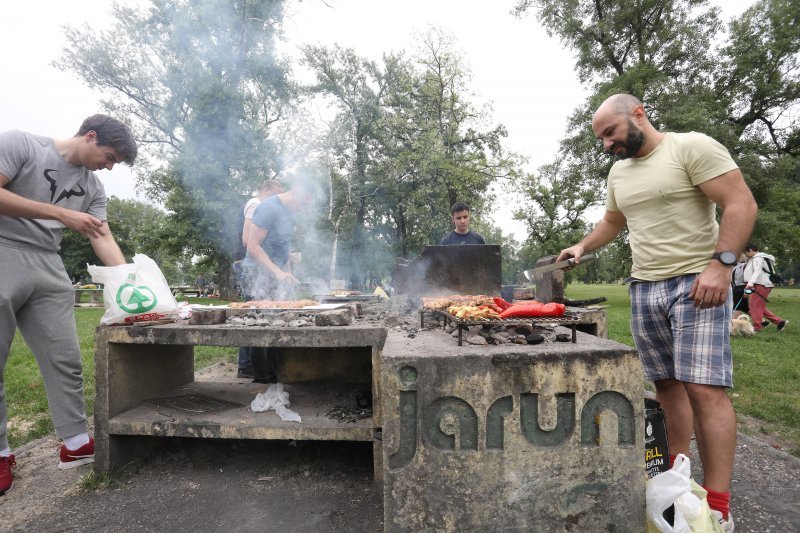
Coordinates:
x,y
185,290
95,296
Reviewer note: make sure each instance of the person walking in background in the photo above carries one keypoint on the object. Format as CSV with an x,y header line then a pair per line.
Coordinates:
x,y
267,189
200,284
665,189
740,300
47,185
461,234
757,275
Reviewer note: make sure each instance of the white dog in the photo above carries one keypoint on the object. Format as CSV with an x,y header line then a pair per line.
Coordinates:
x,y
742,326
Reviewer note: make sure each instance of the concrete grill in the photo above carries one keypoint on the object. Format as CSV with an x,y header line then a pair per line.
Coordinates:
x,y
464,438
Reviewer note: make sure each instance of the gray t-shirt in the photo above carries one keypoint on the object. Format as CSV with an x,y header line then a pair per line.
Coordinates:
x,y
37,171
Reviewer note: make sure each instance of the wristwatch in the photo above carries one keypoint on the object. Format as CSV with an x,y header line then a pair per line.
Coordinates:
x,y
726,258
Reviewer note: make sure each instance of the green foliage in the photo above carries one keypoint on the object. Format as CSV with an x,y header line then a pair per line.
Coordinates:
x,y
28,412
76,252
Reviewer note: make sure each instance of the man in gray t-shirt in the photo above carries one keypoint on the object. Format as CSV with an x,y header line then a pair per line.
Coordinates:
x,y
47,185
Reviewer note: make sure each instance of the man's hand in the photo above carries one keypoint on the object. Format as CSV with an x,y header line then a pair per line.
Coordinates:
x,y
711,286
285,277
573,251
83,223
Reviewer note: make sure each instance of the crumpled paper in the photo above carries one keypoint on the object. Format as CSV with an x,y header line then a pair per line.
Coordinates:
x,y
275,398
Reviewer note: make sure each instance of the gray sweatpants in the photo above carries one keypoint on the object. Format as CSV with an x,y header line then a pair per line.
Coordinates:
x,y
36,295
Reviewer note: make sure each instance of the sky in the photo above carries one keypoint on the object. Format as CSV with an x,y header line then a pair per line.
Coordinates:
x,y
528,77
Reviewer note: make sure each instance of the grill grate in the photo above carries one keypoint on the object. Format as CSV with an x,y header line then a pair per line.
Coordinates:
x,y
193,404
566,320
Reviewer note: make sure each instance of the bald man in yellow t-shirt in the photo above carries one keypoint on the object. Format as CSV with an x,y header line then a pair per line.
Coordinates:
x,y
666,188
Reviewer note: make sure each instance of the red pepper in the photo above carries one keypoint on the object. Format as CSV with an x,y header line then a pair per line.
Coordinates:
x,y
502,304
534,310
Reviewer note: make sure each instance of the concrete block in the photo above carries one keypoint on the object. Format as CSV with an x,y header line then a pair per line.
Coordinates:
x,y
336,317
512,438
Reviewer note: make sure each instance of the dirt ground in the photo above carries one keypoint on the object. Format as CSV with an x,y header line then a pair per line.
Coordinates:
x,y
203,485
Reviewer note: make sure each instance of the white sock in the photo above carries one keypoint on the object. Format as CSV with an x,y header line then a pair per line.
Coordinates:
x,y
6,452
73,443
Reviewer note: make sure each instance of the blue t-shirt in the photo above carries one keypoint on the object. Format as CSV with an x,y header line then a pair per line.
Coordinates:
x,y
279,221
469,237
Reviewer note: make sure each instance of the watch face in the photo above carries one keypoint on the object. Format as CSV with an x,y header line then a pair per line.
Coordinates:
x,y
727,258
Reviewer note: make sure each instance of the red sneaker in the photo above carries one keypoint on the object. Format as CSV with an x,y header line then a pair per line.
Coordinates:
x,y
6,477
81,456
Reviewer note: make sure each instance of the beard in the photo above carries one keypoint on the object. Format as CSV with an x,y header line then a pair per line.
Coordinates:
x,y
633,142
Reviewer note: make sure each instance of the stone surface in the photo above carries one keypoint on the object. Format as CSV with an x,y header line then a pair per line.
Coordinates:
x,y
336,317
510,437
204,318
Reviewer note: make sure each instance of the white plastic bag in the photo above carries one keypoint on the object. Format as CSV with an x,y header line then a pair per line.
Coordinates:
x,y
274,398
134,292
675,487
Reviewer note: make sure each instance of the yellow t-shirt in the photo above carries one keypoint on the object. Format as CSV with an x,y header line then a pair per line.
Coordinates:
x,y
672,225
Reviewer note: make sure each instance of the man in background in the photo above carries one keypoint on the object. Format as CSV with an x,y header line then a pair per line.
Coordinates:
x,y
47,185
200,284
266,265
461,234
665,188
267,189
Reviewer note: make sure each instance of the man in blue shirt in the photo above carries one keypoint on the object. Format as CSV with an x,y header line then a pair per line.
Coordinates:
x,y
267,261
461,234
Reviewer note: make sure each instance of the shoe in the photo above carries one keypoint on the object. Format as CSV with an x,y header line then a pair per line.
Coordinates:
x,y
6,476
245,373
765,323
782,325
72,458
726,525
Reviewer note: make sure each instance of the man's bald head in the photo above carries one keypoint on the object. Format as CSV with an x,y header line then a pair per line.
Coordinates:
x,y
619,104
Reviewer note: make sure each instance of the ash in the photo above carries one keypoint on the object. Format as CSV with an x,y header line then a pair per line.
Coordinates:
x,y
349,414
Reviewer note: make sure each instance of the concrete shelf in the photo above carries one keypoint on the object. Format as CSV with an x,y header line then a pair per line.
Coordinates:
x,y
145,386
221,410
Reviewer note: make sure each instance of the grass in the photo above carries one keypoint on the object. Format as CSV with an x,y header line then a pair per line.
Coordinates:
x,y
28,413
765,370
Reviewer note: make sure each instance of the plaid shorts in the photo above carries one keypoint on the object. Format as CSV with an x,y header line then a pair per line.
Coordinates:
x,y
677,340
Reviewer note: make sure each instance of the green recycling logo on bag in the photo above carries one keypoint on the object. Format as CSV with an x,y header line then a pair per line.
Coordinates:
x,y
135,299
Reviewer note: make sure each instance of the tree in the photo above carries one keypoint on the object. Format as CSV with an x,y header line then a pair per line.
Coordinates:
x,y
438,143
741,93
405,145
202,85
356,85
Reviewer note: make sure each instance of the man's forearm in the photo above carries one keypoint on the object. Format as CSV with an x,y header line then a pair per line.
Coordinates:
x,y
603,233
262,258
14,205
736,225
107,250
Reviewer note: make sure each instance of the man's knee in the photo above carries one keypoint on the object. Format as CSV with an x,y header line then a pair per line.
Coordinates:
x,y
707,396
